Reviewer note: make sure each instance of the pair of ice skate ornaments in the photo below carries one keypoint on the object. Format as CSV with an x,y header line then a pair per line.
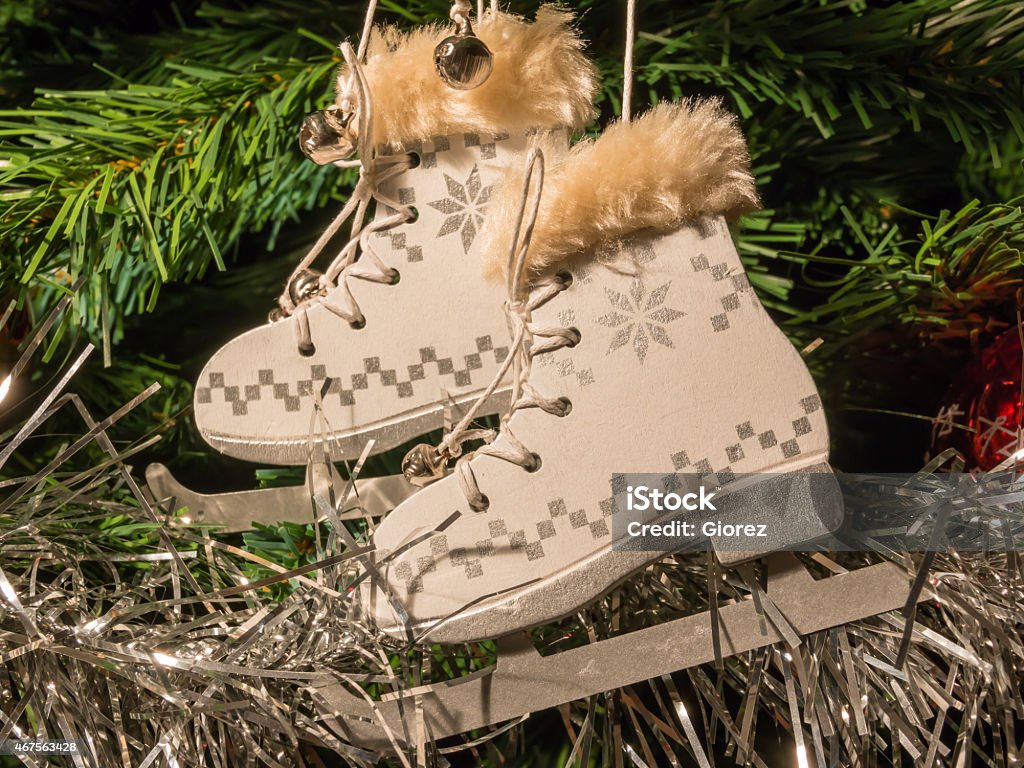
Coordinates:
x,y
591,296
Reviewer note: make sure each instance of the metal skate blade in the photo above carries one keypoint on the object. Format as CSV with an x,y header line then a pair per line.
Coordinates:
x,y
522,681
238,511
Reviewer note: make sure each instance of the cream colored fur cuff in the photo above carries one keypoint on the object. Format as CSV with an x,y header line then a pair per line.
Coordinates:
x,y
541,79
677,162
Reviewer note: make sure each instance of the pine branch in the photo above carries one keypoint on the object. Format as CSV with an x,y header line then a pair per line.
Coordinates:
x,y
145,183
951,276
903,63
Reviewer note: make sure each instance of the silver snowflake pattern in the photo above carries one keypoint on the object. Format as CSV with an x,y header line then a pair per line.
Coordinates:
x,y
636,311
464,207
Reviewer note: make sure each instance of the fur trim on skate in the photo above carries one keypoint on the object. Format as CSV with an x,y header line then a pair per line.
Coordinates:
x,y
677,162
541,78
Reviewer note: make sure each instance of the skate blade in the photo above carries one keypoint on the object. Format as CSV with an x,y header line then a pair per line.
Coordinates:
x,y
522,681
238,511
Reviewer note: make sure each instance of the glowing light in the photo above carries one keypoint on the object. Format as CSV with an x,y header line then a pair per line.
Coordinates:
x,y
185,520
801,756
5,387
166,660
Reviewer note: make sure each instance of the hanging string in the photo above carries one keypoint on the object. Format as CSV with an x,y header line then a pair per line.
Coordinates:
x,y
627,64
371,8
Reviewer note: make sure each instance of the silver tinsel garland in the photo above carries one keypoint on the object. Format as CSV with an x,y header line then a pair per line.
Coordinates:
x,y
148,641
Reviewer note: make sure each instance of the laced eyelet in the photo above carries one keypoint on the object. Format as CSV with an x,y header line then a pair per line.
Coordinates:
x,y
535,463
396,277
358,324
307,349
578,336
566,279
566,407
414,215
483,505
414,160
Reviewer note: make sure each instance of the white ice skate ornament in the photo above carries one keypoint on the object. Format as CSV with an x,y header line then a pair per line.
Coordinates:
x,y
663,351
381,354
386,342
482,558
379,370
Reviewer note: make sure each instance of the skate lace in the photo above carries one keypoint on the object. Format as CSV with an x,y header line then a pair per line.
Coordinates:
x,y
529,339
374,171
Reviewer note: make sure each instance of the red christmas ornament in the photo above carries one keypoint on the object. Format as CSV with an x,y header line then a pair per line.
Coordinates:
x,y
981,415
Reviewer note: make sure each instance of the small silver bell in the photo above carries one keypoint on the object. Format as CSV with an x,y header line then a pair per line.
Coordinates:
x,y
423,465
305,286
463,60
327,136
